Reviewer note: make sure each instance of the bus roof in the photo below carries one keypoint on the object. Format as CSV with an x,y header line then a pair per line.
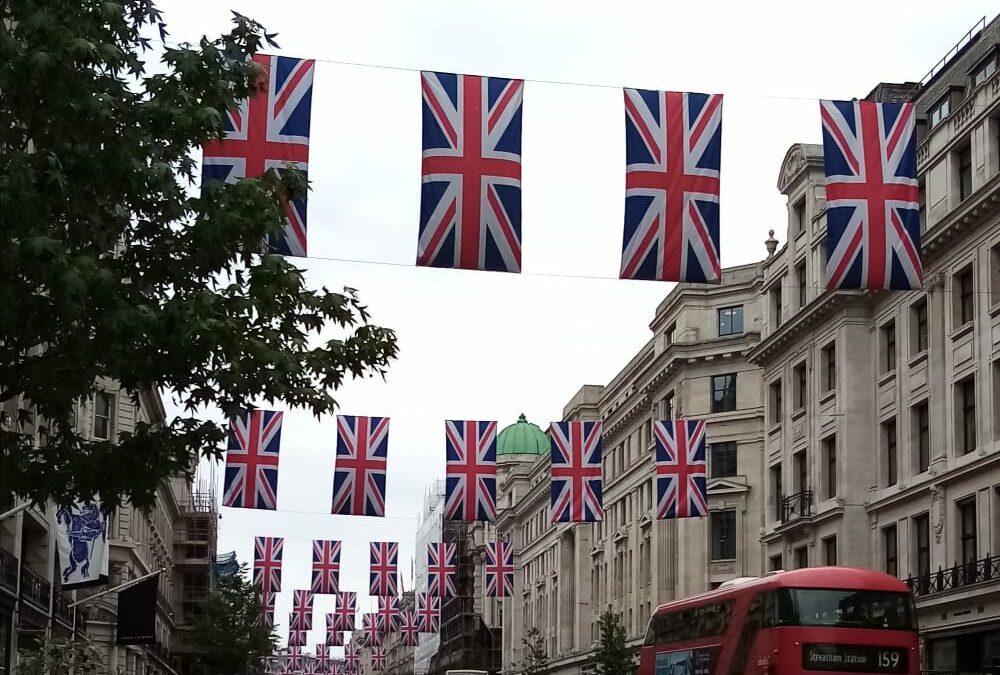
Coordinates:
x,y
810,577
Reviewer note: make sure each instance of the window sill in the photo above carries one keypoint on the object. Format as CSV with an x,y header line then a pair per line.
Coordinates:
x,y
886,377
798,413
722,560
774,429
962,330
994,309
828,396
917,359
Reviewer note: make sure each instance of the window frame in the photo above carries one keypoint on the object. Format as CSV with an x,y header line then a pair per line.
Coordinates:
x,y
922,543
890,554
724,455
718,547
965,390
921,327
965,309
887,347
978,71
109,418
720,406
939,111
922,434
963,163
831,484
802,279
732,310
775,401
828,354
800,382
890,451
968,540
828,543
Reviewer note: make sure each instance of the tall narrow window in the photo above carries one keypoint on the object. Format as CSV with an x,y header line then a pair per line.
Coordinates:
x,y
801,395
775,562
830,550
723,459
964,157
801,280
668,407
776,491
724,393
801,471
830,456
918,319
103,407
801,557
922,536
967,523
775,402
723,533
828,356
731,321
776,303
887,336
799,216
890,542
669,334
922,435
889,450
963,295
965,402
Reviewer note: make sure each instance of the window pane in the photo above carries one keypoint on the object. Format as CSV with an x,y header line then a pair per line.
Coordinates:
x,y
723,459
723,393
723,527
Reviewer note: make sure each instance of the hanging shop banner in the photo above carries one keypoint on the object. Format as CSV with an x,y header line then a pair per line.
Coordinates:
x,y
82,541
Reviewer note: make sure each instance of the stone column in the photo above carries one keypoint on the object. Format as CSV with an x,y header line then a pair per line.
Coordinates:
x,y
566,591
583,591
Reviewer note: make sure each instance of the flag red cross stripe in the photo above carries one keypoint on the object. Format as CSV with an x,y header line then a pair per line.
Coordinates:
x,y
267,565
361,462
471,469
473,167
303,606
253,457
673,180
873,190
682,470
576,472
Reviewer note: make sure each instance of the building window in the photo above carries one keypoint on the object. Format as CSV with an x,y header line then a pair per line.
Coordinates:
x,y
830,466
801,471
830,551
965,408
963,295
967,525
801,280
776,562
668,335
723,459
939,110
984,70
774,401
801,557
918,321
800,395
964,159
887,346
724,393
922,435
667,411
799,216
723,533
776,490
891,462
922,536
828,357
890,545
103,407
995,267
731,321
775,294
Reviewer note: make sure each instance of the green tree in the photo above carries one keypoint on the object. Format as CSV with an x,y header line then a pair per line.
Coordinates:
x,y
613,656
62,656
114,265
536,660
231,632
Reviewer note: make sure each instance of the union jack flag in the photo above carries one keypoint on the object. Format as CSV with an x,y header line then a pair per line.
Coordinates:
x,y
872,198
296,636
252,461
470,200
471,466
302,607
334,636
345,610
267,554
672,158
428,612
576,472
680,469
499,569
326,567
384,565
378,658
359,477
294,658
409,628
388,614
323,654
270,130
267,608
441,570
370,630
351,656
313,667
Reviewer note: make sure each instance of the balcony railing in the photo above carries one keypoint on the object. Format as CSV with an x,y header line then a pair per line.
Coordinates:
x,y
61,609
958,576
34,588
8,570
798,505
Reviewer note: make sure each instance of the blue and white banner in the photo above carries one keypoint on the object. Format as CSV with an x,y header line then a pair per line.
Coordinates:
x,y
83,544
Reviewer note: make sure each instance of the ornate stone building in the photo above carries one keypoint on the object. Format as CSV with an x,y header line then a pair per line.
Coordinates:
x,y
178,536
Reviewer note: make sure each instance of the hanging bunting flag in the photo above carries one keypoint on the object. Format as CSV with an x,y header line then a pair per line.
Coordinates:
x,y
499,569
302,607
334,636
388,614
271,130
384,565
409,628
680,469
359,476
351,656
252,461
83,544
441,570
872,198
267,552
297,637
470,200
471,466
294,659
323,654
428,612
313,667
576,472
345,610
267,607
672,157
326,567
378,658
370,631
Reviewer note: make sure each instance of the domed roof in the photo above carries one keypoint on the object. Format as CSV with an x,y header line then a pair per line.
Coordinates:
x,y
522,438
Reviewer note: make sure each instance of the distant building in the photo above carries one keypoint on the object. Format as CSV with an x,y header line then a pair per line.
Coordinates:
x,y
399,657
428,531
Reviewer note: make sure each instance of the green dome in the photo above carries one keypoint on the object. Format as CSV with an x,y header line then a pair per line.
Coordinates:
x,y
522,438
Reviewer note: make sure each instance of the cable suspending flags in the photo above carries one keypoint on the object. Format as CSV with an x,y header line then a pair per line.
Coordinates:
x,y
575,472
872,197
359,473
680,469
471,470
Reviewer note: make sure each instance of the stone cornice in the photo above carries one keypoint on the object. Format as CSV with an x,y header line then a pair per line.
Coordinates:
x,y
801,324
975,211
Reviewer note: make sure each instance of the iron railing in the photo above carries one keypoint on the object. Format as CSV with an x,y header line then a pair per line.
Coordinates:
x,y
8,570
61,609
35,588
957,576
798,505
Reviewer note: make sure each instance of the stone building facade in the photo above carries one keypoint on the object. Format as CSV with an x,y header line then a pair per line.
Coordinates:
x,y
178,536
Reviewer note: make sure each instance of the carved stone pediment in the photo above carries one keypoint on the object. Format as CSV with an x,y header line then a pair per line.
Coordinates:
x,y
797,159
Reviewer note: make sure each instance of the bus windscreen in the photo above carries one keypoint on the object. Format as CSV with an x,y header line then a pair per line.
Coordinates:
x,y
844,608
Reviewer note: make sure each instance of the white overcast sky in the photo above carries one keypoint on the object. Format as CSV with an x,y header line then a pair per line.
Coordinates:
x,y
488,345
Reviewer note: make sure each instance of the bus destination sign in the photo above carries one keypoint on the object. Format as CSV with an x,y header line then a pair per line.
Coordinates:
x,y
853,658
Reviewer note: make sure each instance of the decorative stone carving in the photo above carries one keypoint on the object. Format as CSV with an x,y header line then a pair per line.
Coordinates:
x,y
794,163
937,512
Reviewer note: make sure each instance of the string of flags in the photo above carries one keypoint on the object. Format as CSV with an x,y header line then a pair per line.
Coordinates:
x,y
470,199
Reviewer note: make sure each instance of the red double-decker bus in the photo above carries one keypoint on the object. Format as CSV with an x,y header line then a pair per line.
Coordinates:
x,y
814,620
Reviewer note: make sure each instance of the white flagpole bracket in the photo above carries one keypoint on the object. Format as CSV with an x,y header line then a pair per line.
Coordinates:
x,y
119,587
16,510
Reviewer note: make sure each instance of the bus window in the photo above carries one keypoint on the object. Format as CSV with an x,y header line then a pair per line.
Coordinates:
x,y
844,608
689,624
